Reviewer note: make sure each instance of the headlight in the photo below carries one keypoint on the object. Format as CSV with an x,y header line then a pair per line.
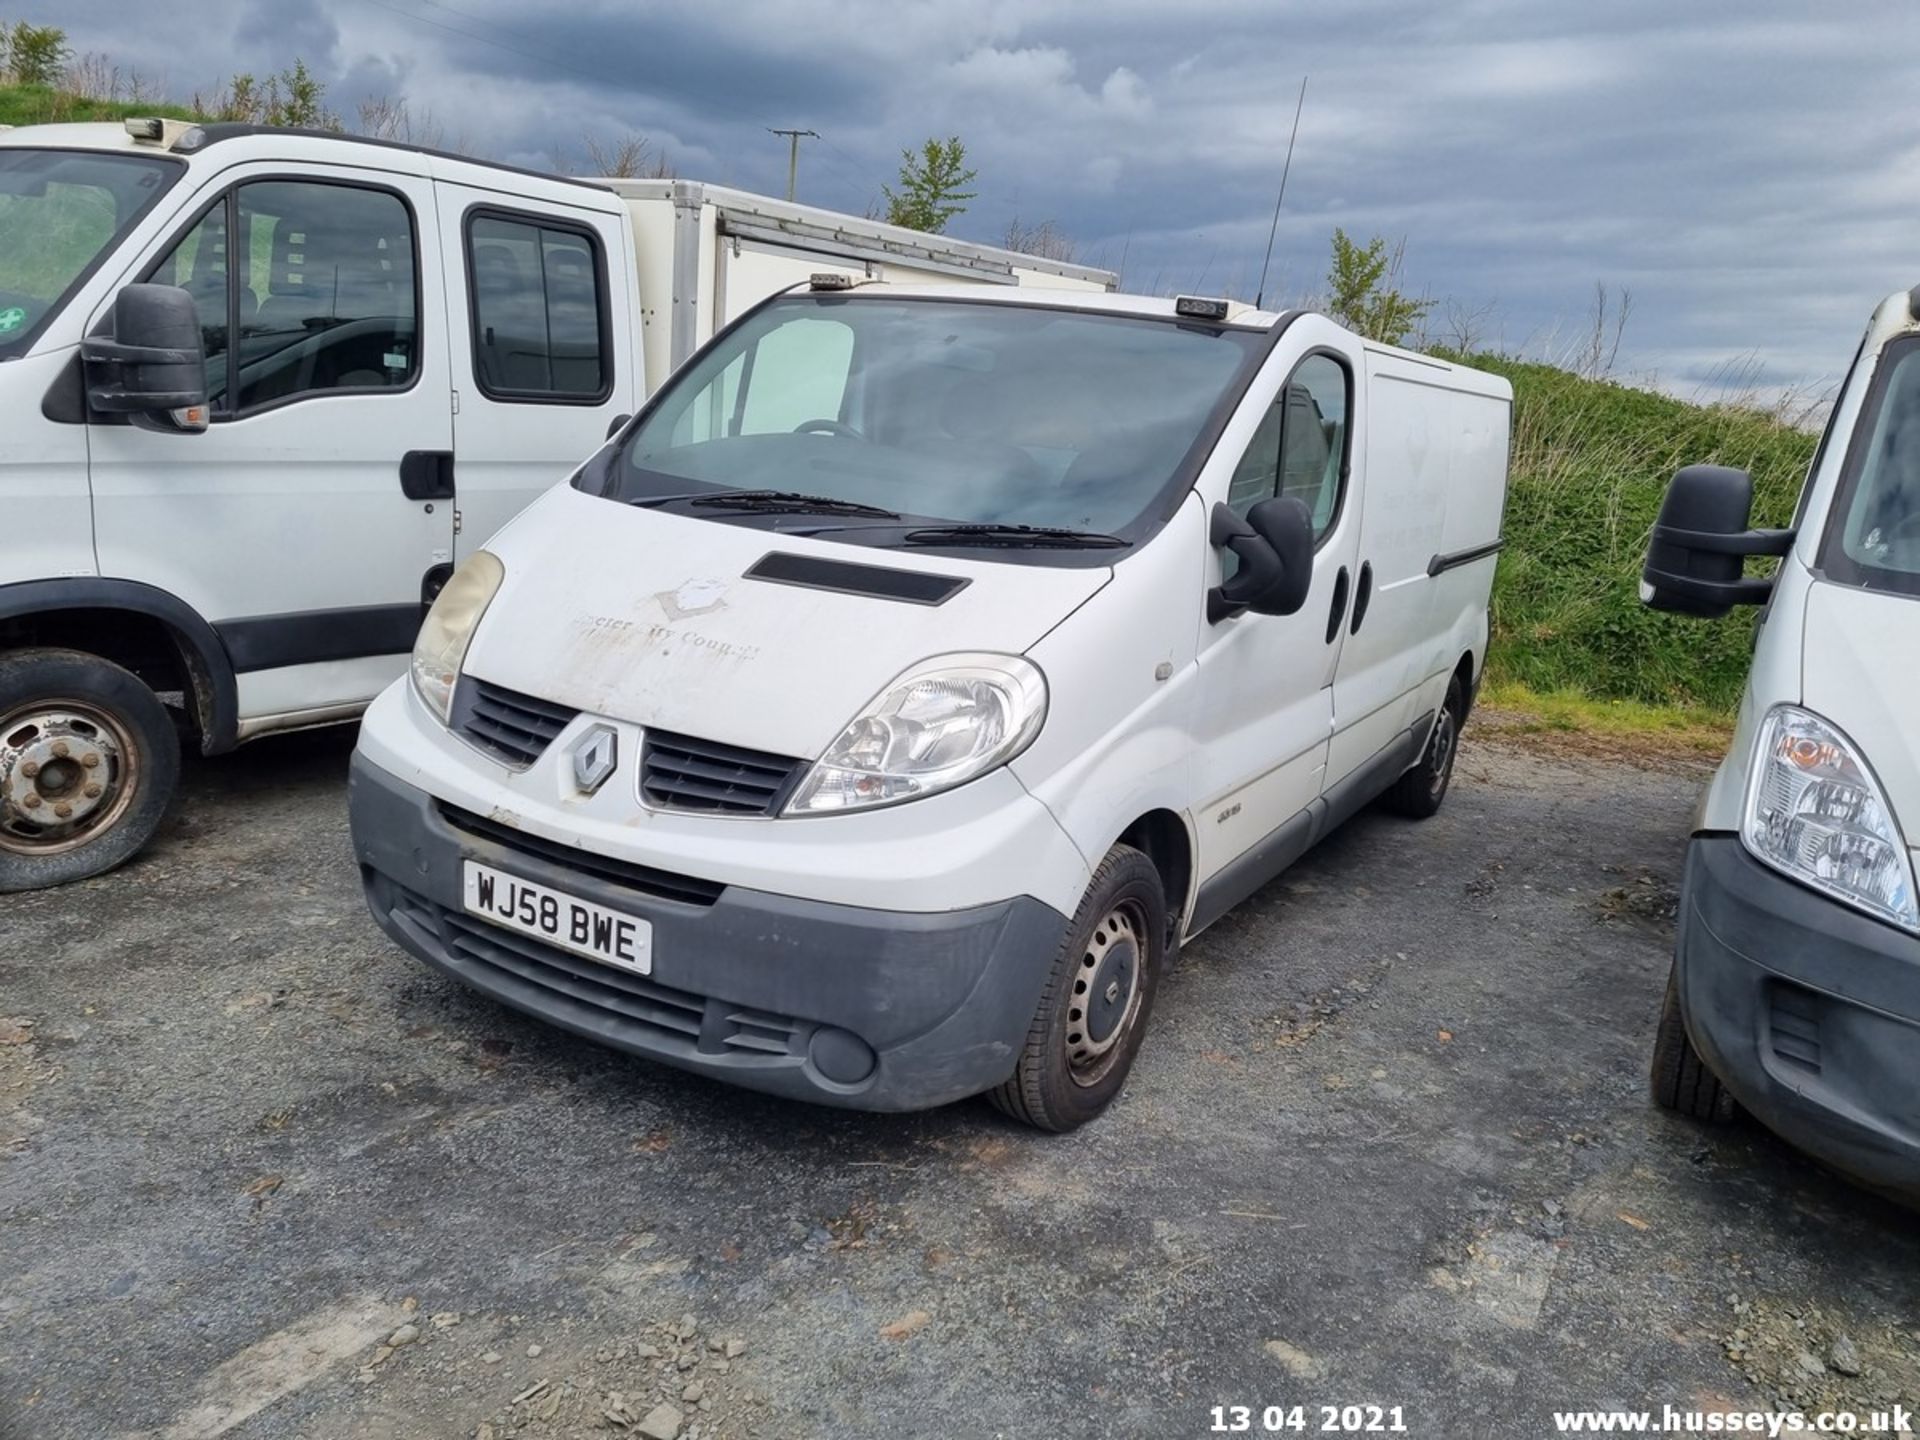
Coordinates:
x,y
442,646
1815,811
939,725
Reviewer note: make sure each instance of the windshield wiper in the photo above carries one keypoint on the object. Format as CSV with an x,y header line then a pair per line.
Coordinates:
x,y
1021,536
771,502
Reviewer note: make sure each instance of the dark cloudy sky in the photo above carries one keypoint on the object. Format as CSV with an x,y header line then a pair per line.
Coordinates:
x,y
1749,169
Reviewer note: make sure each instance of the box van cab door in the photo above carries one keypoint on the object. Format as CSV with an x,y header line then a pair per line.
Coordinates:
x,y
543,345
298,522
1266,703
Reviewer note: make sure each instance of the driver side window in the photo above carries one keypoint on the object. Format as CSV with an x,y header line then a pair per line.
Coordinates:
x,y
1300,448
302,287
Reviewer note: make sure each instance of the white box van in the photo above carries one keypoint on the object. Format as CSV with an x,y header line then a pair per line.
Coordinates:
x,y
1795,988
356,360
873,718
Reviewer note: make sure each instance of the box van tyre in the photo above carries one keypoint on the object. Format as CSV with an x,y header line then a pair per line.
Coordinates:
x,y
1681,1080
1099,996
89,759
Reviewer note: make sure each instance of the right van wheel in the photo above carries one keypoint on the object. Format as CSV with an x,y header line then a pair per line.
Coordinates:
x,y
1418,793
88,763
1093,1012
1681,1079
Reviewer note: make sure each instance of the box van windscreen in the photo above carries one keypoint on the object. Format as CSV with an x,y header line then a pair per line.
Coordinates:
x,y
60,210
939,413
1877,543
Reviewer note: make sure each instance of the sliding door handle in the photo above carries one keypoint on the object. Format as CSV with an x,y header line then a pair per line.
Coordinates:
x,y
1362,595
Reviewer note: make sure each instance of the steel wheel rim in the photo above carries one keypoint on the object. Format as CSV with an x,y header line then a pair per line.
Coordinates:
x,y
1108,989
43,752
1442,748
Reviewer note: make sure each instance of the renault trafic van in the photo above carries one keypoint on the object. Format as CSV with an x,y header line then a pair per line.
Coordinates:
x,y
1795,989
872,718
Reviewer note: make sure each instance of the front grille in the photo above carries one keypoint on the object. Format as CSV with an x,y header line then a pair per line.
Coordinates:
x,y
504,959
507,725
661,884
678,772
1794,1022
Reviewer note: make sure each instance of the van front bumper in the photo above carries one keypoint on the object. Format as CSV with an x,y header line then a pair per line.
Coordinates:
x,y
1808,1012
840,1004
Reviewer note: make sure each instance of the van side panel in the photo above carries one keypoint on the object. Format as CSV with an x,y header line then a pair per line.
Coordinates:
x,y
48,528
1434,484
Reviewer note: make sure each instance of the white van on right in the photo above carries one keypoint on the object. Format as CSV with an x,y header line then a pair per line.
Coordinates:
x,y
1795,990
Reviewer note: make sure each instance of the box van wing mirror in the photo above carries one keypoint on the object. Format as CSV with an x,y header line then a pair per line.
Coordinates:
x,y
1275,546
155,364
1696,555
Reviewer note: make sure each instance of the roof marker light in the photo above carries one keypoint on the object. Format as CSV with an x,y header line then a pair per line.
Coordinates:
x,y
1200,307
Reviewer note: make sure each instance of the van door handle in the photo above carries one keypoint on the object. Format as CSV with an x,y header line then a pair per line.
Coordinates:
x,y
1339,604
427,474
1362,594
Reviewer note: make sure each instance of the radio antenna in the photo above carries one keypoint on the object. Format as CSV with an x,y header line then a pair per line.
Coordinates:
x,y
1285,170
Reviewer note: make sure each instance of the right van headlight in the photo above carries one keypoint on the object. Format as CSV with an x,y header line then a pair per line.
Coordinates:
x,y
1816,813
441,648
941,724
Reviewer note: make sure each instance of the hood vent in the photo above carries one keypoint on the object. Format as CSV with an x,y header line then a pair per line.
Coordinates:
x,y
878,582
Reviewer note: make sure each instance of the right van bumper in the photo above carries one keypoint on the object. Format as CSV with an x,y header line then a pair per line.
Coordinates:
x,y
1807,1011
832,1003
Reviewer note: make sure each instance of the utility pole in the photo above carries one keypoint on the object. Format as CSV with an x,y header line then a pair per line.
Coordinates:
x,y
793,151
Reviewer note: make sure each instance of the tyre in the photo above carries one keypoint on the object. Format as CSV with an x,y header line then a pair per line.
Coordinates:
x,y
1098,998
1681,1080
89,760
1418,793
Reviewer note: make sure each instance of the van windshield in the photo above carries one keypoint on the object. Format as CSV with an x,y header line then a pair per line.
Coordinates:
x,y
904,414
60,210
1877,544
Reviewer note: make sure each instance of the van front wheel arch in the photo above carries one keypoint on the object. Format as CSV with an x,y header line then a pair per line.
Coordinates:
x,y
89,760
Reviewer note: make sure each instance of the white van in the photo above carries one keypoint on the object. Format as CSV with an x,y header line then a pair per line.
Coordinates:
x,y
246,506
870,721
1795,989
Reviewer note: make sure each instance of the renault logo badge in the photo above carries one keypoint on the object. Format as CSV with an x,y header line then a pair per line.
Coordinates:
x,y
595,755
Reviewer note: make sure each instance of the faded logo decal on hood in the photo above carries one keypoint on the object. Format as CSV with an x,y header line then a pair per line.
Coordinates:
x,y
696,597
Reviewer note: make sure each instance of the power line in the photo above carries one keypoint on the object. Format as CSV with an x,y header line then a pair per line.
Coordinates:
x,y
793,152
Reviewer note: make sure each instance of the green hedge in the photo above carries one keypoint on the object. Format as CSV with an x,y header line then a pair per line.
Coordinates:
x,y
1591,461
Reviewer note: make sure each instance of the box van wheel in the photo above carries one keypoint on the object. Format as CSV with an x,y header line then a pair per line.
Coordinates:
x,y
1099,995
88,762
1418,793
1681,1079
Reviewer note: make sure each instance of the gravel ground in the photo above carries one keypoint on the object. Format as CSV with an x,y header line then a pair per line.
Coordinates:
x,y
262,1176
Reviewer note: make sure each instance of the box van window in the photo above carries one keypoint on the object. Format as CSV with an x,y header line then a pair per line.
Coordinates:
x,y
1879,535
324,298
60,211
942,410
537,307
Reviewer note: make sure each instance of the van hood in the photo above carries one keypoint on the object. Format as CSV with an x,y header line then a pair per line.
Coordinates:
x,y
1857,669
651,618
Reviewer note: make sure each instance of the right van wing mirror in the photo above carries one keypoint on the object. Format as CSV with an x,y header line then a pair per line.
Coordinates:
x,y
1696,555
154,368
1275,546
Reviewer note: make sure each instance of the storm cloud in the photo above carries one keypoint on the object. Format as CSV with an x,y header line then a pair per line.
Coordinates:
x,y
1747,170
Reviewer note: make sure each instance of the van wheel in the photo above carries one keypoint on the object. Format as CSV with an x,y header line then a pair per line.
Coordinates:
x,y
1418,793
1681,1079
1094,1010
88,762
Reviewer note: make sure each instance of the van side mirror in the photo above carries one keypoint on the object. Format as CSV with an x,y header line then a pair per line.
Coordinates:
x,y
1696,555
1275,546
155,365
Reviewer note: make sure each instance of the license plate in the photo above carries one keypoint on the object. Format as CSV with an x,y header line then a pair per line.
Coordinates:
x,y
623,941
